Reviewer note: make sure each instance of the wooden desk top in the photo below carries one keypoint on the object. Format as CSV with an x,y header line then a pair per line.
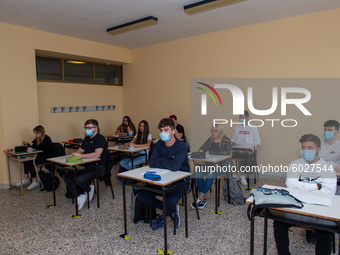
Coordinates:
x,y
62,160
19,153
166,178
318,211
136,149
247,146
212,158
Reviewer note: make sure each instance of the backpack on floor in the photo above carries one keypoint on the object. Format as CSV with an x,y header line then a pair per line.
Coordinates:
x,y
139,211
46,179
236,194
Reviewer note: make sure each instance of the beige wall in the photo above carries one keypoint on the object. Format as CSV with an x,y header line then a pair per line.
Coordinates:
x,y
24,103
305,46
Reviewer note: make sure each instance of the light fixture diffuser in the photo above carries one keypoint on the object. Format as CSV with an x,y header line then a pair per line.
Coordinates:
x,y
207,5
133,25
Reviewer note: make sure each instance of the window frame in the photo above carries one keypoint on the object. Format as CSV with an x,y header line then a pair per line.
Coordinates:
x,y
120,72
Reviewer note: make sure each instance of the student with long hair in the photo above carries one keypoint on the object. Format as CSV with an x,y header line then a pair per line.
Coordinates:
x,y
217,144
41,142
127,127
142,139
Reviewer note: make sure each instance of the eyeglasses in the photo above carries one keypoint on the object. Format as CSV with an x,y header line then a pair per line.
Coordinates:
x,y
214,131
88,128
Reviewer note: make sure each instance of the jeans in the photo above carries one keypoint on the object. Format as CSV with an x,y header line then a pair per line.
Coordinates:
x,y
83,178
204,185
29,166
127,163
149,198
323,240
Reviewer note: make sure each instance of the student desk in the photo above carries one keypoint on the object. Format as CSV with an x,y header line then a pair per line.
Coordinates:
x,y
71,145
72,168
250,150
213,159
20,157
312,216
116,138
131,152
162,187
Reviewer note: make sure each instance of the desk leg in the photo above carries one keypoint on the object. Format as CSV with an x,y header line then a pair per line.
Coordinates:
x,y
165,231
248,160
186,209
146,158
252,236
124,208
75,189
228,190
53,186
20,170
9,173
97,186
265,236
193,187
132,161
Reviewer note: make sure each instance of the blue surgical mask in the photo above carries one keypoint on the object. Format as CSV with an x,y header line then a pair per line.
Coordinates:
x,y
165,136
89,132
130,133
328,135
242,120
308,155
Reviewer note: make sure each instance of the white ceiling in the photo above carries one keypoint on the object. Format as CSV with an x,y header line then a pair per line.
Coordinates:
x,y
89,19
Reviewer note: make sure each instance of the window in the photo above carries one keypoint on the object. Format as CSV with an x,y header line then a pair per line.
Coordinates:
x,y
66,70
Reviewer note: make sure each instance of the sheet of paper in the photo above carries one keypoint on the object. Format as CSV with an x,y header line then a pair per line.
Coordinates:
x,y
313,200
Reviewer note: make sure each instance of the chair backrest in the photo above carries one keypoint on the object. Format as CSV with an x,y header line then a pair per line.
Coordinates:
x,y
58,150
187,143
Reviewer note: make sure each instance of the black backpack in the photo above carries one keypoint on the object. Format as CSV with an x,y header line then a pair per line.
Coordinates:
x,y
46,179
236,194
139,210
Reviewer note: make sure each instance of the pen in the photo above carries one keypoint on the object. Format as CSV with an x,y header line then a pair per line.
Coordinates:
x,y
151,172
197,147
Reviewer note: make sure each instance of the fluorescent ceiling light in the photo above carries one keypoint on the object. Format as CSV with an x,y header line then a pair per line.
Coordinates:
x,y
207,5
75,62
133,25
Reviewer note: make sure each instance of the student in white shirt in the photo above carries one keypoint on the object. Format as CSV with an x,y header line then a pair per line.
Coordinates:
x,y
245,134
142,139
330,145
314,174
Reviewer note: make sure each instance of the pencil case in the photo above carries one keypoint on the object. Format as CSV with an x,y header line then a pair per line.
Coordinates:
x,y
74,160
152,177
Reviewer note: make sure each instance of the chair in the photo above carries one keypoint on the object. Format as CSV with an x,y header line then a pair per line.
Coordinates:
x,y
106,178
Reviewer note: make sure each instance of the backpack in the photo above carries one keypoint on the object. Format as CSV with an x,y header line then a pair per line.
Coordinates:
x,y
46,179
236,195
139,211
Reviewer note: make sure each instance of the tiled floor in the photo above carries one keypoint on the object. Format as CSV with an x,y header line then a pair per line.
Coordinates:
x,y
29,227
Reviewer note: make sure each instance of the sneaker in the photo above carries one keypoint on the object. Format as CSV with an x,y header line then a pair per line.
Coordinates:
x,y
178,219
91,192
193,204
202,203
235,177
33,185
158,223
24,182
81,199
243,180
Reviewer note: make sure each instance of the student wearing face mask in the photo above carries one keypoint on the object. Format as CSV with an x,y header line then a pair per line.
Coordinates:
x,y
142,139
310,173
330,145
126,128
169,153
93,146
245,134
41,142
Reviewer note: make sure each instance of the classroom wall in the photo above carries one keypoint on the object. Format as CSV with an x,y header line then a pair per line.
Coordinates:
x,y
24,103
157,83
